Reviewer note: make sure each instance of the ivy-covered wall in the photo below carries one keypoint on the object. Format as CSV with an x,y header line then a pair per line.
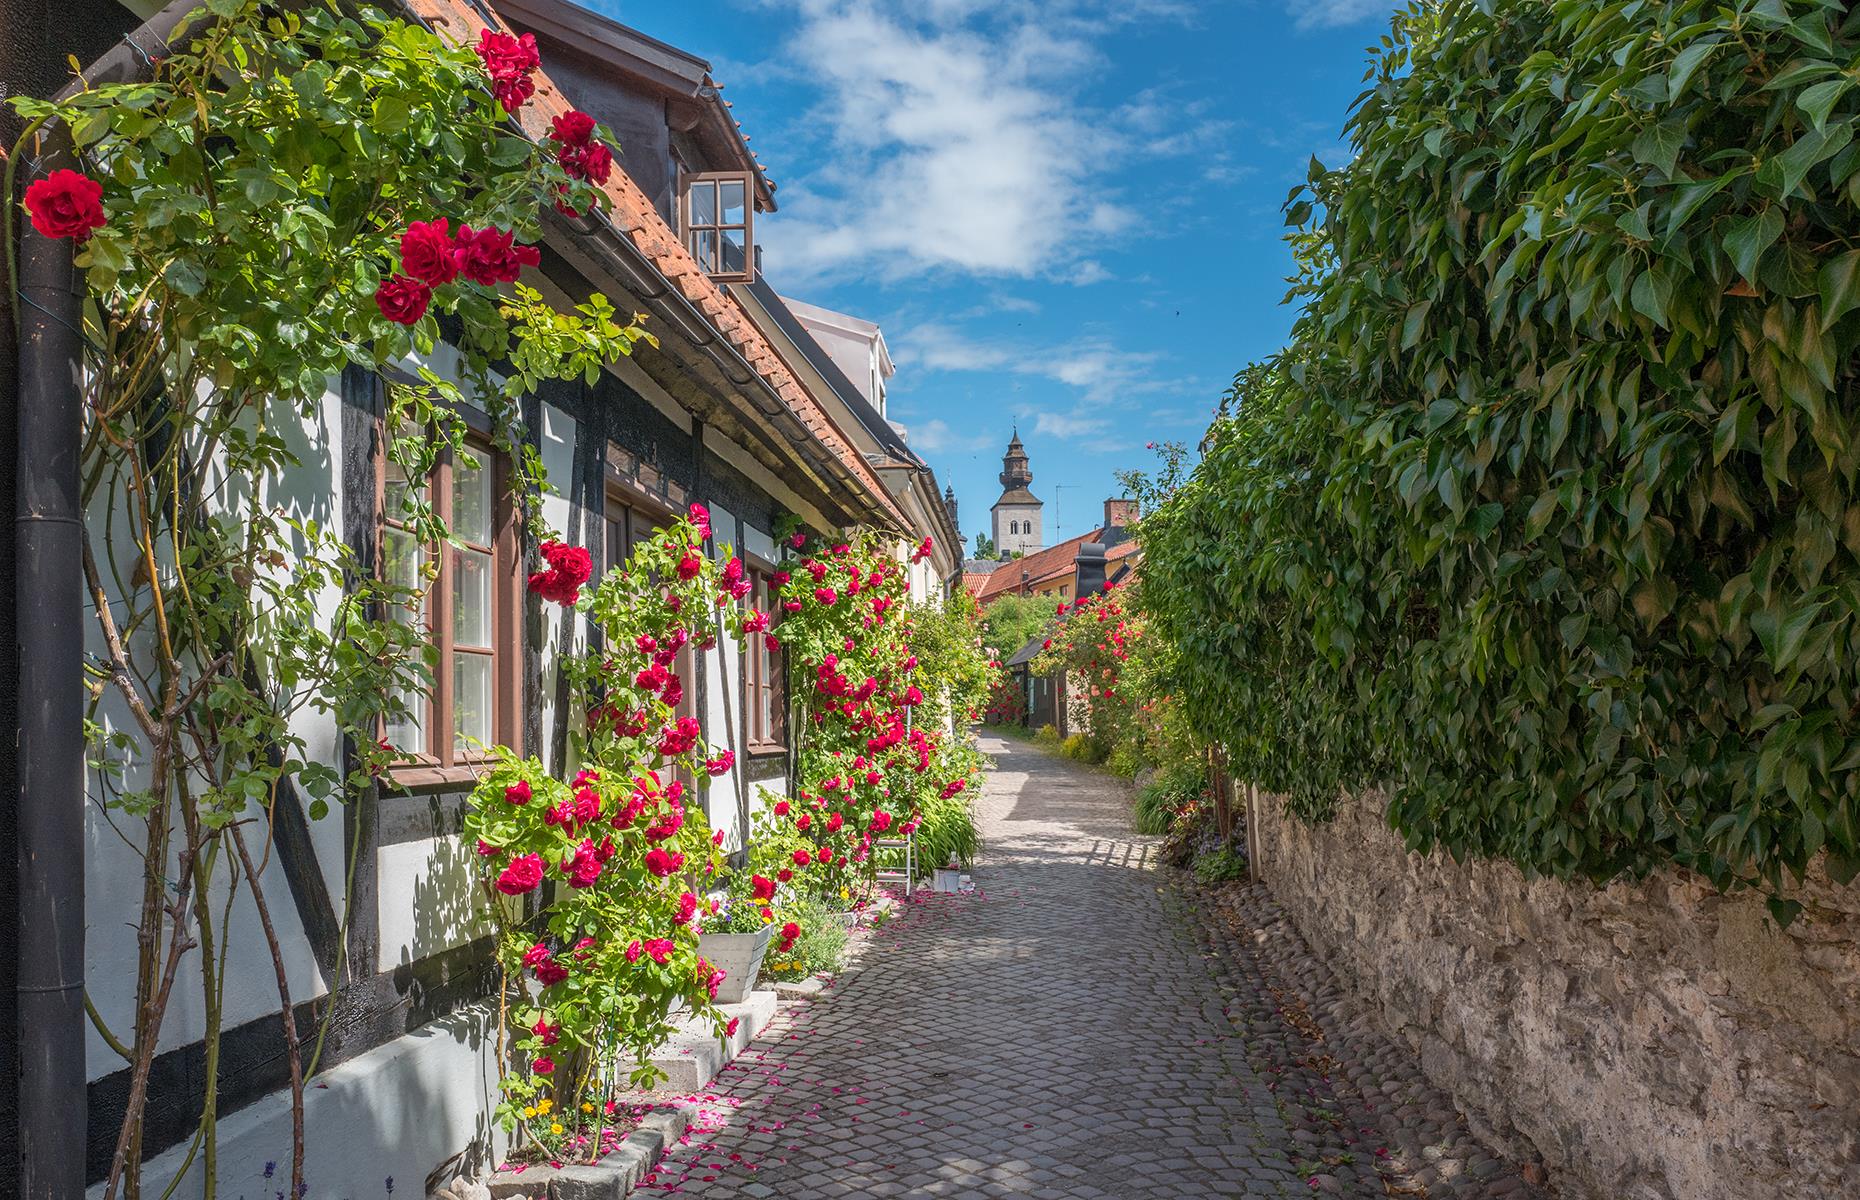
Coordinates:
x,y
1548,518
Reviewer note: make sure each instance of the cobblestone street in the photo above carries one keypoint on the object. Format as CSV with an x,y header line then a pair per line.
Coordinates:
x,y
1081,1027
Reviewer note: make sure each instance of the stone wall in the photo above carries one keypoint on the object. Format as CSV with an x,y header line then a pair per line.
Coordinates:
x,y
1648,1040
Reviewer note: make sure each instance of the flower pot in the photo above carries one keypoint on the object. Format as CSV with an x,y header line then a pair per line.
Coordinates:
x,y
740,957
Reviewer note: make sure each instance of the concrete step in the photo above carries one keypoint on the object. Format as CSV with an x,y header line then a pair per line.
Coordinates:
x,y
692,1056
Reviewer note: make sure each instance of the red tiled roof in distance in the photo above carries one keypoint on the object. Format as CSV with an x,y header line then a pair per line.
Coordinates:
x,y
1042,565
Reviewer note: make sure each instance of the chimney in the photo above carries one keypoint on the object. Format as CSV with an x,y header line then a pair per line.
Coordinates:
x,y
1090,568
1119,513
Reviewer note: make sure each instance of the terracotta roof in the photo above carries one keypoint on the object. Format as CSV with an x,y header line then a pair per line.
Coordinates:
x,y
634,214
1044,565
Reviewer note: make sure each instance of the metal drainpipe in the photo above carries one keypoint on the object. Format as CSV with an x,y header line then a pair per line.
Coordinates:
x,y
48,585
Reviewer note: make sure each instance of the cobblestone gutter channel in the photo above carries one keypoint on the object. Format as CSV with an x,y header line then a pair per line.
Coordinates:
x,y
1362,1118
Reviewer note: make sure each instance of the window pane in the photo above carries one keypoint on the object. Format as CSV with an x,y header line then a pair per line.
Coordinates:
x,y
704,249
471,598
733,256
703,204
732,202
394,501
408,733
471,700
471,502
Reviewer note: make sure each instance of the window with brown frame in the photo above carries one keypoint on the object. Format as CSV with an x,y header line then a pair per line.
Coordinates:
x,y
470,611
717,216
765,696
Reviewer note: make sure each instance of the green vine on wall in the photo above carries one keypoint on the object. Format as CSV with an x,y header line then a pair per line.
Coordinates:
x,y
1547,520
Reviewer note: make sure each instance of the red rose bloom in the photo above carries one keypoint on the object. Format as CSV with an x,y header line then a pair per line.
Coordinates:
x,y
718,765
662,862
569,568
572,128
585,868
687,908
547,1032
66,204
543,1066
427,253
518,792
689,565
790,931
403,300
660,950
593,162
550,973
491,257
802,858
536,954
762,887
505,55
523,875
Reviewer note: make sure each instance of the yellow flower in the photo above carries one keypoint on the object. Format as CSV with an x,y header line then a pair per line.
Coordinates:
x,y
845,895
586,1107
529,1113
767,916
544,1105
555,1127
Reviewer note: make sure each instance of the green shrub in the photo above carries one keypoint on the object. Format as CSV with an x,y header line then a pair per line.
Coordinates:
x,y
1047,733
946,825
821,949
1081,748
1543,519
1125,760
1176,789
1220,866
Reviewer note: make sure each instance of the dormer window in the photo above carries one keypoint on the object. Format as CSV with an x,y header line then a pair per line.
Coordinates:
x,y
717,217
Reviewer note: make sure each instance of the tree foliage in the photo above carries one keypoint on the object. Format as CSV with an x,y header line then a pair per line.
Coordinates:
x,y
1547,519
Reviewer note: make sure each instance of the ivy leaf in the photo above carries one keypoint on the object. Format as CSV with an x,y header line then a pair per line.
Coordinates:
x,y
1816,102
1750,237
1658,146
1784,911
1839,281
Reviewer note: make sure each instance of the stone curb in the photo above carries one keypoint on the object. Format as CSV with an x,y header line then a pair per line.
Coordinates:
x,y
614,1176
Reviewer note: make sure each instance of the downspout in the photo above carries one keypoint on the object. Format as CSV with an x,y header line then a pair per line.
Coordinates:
x,y
50,751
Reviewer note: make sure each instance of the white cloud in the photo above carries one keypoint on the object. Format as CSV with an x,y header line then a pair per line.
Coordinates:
x,y
956,139
937,436
1102,377
1330,14
1068,425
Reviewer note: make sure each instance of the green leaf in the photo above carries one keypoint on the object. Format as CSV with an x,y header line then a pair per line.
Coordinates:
x,y
1839,285
1658,146
1687,62
1816,102
1784,911
1750,237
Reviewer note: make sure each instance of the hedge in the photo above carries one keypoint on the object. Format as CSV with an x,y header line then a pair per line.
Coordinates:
x,y
1546,518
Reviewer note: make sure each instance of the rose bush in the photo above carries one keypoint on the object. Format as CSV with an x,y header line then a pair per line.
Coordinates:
x,y
615,861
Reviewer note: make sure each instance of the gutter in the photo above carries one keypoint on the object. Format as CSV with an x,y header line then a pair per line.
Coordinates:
x,y
49,600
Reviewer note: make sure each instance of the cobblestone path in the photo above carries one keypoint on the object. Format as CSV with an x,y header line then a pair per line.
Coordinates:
x,y
1068,1031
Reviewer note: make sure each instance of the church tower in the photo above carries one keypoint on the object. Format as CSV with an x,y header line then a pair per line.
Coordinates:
x,y
1017,513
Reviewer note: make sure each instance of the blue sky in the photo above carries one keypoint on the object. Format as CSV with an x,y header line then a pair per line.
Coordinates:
x,y
1064,211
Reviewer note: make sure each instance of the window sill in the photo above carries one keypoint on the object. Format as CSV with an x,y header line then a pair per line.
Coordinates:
x,y
430,777
767,750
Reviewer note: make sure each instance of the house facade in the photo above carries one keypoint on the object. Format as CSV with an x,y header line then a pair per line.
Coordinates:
x,y
383,931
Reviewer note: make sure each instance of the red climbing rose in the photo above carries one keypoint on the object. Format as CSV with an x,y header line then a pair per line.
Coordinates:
x,y
66,204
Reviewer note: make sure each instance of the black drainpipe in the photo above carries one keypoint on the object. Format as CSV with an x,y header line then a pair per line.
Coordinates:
x,y
49,601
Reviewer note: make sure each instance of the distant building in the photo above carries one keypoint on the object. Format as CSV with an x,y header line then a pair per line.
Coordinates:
x,y
1054,570
1017,513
